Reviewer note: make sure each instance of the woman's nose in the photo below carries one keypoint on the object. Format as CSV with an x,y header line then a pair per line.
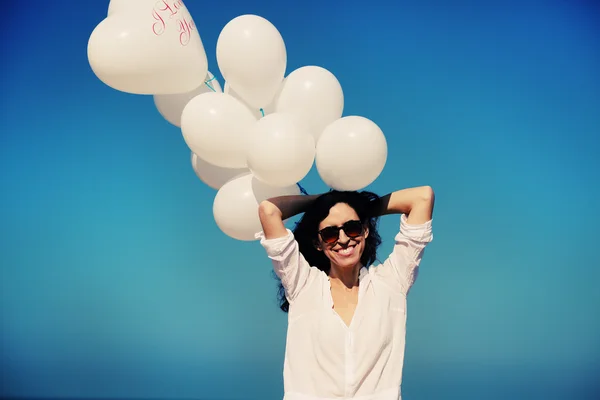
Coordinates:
x,y
343,238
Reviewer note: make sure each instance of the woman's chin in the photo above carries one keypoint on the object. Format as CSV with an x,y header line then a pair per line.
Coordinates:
x,y
346,262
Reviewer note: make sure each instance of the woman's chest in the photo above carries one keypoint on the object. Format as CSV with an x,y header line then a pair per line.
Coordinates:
x,y
338,321
344,303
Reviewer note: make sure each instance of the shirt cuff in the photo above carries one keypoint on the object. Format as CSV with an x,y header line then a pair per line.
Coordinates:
x,y
275,246
421,232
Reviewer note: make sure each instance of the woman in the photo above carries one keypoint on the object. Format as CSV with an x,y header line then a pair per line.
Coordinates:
x,y
346,317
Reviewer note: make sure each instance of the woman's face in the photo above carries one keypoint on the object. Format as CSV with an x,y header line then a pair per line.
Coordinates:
x,y
344,247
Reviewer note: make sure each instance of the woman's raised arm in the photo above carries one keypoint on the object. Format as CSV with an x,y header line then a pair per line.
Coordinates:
x,y
272,212
417,203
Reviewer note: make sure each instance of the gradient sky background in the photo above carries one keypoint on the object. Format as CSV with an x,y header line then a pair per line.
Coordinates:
x,y
116,282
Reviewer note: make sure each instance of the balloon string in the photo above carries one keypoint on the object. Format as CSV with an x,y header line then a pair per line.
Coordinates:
x,y
262,112
207,83
302,190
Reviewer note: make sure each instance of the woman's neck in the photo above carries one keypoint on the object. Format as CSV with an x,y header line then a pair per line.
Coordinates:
x,y
346,276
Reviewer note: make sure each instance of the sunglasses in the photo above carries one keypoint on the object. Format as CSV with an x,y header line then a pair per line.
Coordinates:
x,y
331,234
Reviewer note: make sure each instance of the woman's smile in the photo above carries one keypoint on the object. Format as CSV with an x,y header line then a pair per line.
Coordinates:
x,y
346,251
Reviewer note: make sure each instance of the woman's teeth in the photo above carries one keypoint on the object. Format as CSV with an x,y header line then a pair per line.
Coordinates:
x,y
348,251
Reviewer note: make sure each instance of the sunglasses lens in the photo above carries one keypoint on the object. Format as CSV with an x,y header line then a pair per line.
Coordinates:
x,y
353,228
329,235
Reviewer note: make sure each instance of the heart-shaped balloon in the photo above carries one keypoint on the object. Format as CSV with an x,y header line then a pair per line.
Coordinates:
x,y
119,6
148,47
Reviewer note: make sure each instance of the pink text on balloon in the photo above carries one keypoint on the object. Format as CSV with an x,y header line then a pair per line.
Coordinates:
x,y
173,9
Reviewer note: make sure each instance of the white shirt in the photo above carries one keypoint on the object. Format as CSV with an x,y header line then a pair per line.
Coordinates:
x,y
324,358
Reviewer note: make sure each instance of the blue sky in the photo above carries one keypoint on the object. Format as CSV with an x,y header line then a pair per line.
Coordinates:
x,y
116,282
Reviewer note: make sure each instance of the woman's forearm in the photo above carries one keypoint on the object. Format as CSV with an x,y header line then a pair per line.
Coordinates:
x,y
417,203
287,206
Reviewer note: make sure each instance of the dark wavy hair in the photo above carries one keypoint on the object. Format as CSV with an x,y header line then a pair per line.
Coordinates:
x,y
364,203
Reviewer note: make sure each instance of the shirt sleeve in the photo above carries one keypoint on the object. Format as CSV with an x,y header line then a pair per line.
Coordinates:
x,y
409,244
288,263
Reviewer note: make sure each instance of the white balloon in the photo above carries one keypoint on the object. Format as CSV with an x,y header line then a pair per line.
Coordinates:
x,y
315,95
235,207
252,57
214,176
351,153
170,106
256,111
119,6
281,150
215,126
148,47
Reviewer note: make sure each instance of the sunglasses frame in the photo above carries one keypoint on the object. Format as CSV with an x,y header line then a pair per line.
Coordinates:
x,y
339,228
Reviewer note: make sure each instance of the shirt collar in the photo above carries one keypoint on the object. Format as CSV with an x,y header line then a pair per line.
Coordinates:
x,y
362,273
